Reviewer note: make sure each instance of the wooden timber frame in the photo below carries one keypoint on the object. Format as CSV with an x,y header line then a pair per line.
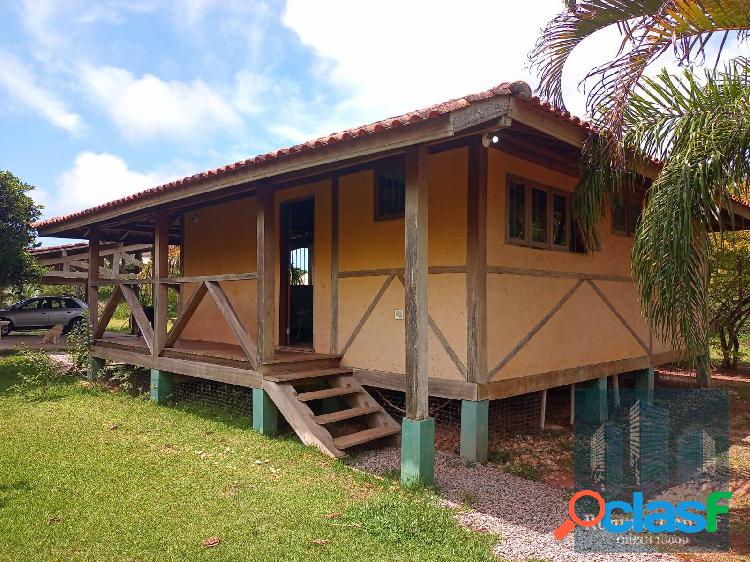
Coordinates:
x,y
462,128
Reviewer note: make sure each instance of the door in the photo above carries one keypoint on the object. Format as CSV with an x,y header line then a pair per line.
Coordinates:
x,y
58,314
297,240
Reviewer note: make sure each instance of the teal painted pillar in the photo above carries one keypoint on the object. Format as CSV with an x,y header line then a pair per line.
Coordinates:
x,y
644,385
161,386
96,364
265,413
474,429
418,451
595,409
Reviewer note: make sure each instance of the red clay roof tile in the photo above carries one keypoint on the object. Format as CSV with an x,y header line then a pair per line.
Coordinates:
x,y
520,90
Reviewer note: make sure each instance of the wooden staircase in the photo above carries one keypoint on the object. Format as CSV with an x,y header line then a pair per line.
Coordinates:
x,y
298,389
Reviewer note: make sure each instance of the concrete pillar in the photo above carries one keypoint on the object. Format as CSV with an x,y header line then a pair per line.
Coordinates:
x,y
161,386
474,430
418,451
644,385
96,364
595,410
265,413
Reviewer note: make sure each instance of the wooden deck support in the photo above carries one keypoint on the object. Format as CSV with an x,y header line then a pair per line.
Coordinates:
x,y
476,265
161,270
265,413
161,386
266,276
594,401
92,289
644,385
418,429
475,430
96,364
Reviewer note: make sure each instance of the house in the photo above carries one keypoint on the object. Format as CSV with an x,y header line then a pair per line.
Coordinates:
x,y
432,253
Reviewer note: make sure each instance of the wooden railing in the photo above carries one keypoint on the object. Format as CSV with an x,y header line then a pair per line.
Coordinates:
x,y
204,284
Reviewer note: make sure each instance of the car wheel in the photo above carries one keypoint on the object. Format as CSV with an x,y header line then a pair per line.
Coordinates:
x,y
5,330
71,325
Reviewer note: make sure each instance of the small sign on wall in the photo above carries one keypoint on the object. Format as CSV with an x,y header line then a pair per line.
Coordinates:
x,y
398,314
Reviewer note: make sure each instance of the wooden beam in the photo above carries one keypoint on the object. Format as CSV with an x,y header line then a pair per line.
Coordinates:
x,y
161,270
186,313
230,315
334,266
218,278
266,276
415,277
476,265
107,313
334,156
92,291
147,331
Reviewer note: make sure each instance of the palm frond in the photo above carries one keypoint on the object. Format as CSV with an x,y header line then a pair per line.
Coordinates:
x,y
703,125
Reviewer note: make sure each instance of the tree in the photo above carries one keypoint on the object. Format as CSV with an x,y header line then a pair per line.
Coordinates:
x,y
697,125
729,294
17,212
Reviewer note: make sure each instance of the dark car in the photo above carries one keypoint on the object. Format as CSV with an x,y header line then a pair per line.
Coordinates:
x,y
43,312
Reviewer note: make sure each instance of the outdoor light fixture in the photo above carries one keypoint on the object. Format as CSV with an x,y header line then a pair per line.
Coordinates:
x,y
488,139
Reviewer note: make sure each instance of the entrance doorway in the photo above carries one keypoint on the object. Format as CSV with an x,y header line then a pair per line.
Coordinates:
x,y
297,275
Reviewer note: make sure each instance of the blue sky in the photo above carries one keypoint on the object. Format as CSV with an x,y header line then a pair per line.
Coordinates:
x,y
101,99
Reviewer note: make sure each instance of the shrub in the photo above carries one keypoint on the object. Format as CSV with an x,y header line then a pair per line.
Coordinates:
x,y
37,374
79,344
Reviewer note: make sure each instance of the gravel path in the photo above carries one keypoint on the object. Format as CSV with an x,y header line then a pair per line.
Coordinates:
x,y
524,513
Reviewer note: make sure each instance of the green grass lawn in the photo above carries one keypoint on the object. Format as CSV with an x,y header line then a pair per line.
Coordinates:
x,y
88,474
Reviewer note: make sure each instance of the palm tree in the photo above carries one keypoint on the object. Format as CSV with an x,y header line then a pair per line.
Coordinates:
x,y
697,125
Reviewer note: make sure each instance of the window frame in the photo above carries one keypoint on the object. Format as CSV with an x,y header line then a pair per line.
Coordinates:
x,y
386,166
628,198
530,185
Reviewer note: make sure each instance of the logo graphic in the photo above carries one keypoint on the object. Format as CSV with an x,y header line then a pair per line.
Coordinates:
x,y
656,516
652,470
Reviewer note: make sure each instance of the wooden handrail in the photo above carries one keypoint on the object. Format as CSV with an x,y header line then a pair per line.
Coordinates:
x,y
218,278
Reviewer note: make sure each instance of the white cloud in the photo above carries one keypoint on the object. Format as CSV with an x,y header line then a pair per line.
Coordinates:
x,y
97,178
395,56
149,107
21,85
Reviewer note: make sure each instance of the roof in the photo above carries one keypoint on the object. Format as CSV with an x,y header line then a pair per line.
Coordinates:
x,y
65,247
519,90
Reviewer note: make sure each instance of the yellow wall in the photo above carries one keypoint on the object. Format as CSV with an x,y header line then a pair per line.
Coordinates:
x,y
365,243
221,239
584,331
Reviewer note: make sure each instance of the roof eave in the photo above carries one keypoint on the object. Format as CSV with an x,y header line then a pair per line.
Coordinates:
x,y
456,123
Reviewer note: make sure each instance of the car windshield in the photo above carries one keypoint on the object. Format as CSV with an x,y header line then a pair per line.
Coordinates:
x,y
18,304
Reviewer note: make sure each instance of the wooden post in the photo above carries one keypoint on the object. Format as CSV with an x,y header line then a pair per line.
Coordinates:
x,y
418,430
572,404
92,289
476,265
334,266
160,271
474,430
543,415
266,262
616,389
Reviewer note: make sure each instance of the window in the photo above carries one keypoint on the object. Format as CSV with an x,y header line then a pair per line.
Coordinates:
x,y
516,211
545,210
626,212
71,303
390,192
32,304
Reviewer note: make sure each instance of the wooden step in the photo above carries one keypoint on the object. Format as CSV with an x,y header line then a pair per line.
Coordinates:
x,y
360,437
346,414
289,376
327,393
302,362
